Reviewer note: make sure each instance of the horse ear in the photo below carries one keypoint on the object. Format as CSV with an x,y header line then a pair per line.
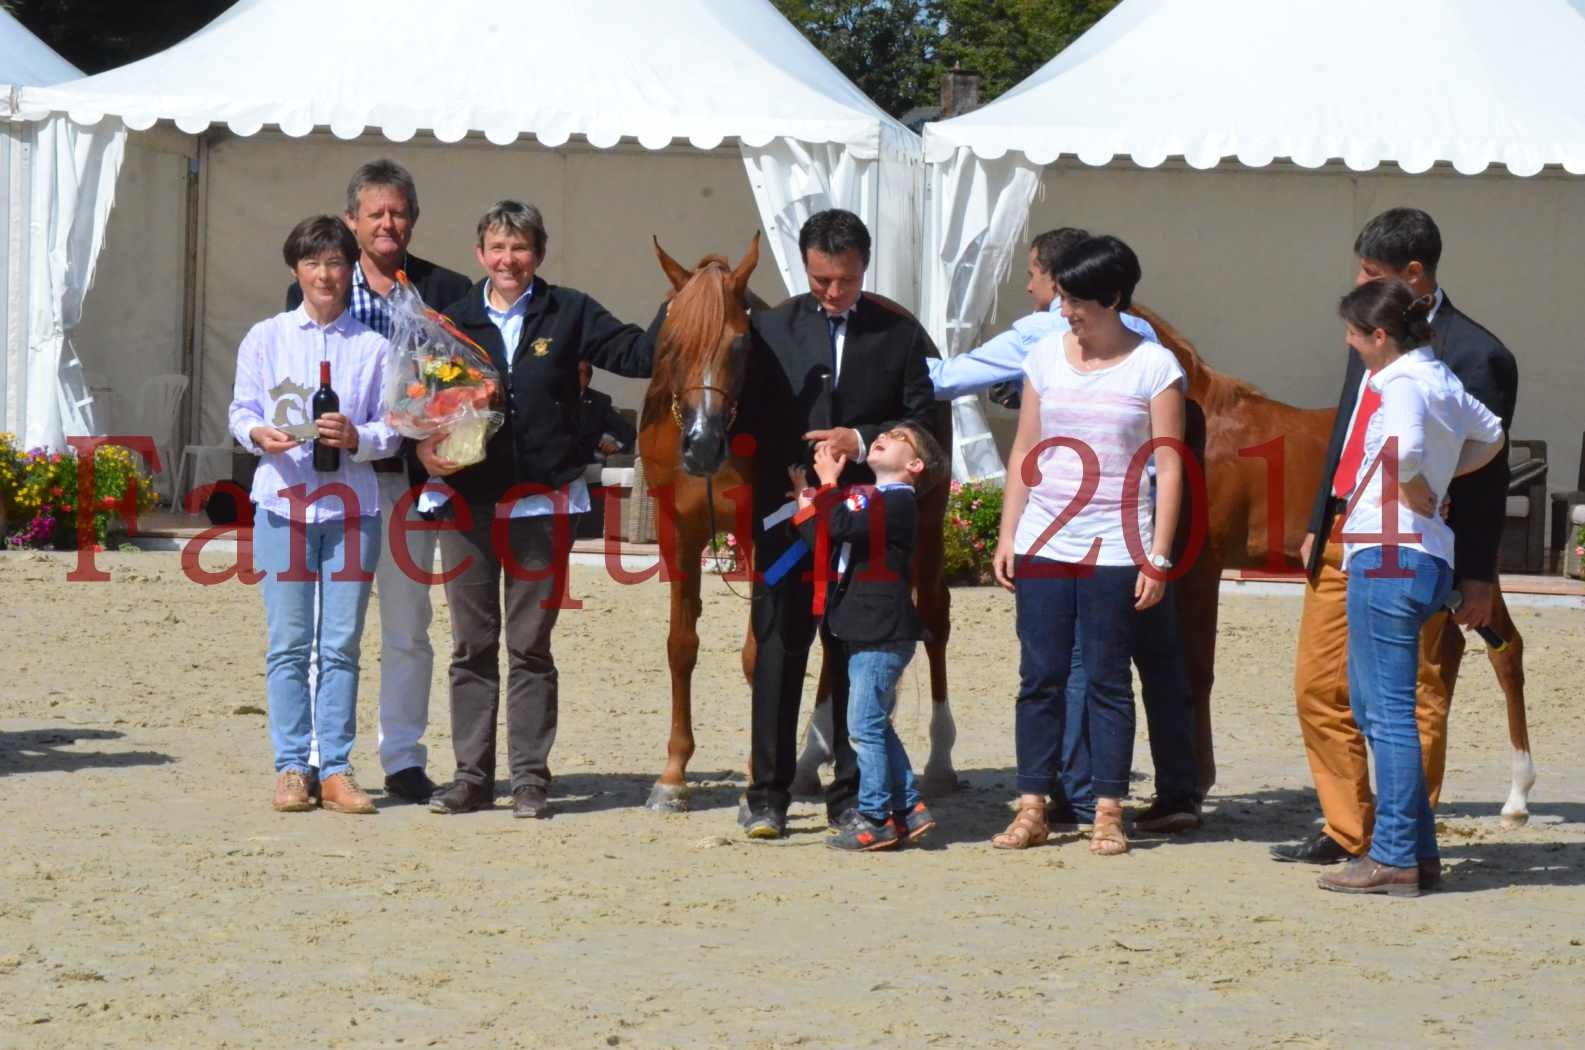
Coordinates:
x,y
745,268
673,269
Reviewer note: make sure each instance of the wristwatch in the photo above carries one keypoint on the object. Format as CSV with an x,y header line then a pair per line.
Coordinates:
x,y
1160,561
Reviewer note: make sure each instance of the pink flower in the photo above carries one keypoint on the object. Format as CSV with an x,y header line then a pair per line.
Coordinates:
x,y
1580,551
731,540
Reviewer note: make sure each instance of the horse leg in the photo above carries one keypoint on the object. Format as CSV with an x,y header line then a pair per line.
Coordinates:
x,y
935,612
818,749
1199,592
670,793
1509,665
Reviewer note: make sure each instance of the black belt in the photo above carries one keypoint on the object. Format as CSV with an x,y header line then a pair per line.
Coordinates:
x,y
393,465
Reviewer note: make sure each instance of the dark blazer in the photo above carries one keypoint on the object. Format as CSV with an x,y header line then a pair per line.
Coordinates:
x,y
870,603
437,286
598,417
884,379
1491,375
539,440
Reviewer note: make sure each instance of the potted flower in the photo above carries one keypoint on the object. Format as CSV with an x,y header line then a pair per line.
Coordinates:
x,y
39,493
973,519
721,554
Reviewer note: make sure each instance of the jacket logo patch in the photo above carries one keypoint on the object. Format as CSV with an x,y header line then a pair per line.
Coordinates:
x,y
857,502
541,347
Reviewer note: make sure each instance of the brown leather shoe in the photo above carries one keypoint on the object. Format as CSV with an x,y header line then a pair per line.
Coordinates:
x,y
341,794
291,792
1430,873
1364,875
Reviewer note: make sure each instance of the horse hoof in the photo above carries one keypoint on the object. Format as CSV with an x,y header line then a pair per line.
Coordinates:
x,y
1513,821
668,798
940,781
806,785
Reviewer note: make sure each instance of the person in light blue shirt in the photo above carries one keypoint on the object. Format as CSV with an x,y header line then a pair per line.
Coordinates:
x,y
1001,360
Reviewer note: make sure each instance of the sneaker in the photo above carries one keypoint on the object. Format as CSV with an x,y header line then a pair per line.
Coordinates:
x,y
530,802
765,824
461,797
916,823
864,836
339,793
1169,816
291,792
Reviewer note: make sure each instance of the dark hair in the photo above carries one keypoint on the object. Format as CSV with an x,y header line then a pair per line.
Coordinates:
x,y
1049,246
930,454
1391,306
317,234
383,172
1102,269
834,232
515,217
1400,236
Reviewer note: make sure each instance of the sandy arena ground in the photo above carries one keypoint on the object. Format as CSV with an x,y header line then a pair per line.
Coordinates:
x,y
151,898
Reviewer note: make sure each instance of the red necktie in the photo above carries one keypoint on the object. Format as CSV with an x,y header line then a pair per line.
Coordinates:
x,y
1354,448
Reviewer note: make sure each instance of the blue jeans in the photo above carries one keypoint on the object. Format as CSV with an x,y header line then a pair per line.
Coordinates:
x,y
293,627
1164,689
1055,611
886,777
1384,619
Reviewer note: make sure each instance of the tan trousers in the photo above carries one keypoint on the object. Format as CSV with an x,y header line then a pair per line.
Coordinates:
x,y
1332,740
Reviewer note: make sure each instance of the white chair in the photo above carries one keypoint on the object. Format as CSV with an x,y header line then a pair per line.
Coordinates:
x,y
156,415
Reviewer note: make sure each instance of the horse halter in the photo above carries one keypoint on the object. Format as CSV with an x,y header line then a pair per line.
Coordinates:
x,y
676,403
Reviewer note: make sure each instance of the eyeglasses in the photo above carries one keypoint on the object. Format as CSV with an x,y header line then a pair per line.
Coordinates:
x,y
902,434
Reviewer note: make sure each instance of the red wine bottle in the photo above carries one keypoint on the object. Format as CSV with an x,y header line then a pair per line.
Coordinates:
x,y
325,401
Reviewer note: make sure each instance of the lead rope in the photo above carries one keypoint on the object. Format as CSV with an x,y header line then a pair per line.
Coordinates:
x,y
709,502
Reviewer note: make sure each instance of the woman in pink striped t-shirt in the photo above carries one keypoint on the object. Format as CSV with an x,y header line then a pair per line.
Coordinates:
x,y
1080,547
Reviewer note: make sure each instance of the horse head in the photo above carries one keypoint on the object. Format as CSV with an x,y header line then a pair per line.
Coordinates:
x,y
703,354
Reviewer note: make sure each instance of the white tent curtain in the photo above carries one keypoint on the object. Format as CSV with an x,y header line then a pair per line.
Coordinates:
x,y
793,180
71,176
973,228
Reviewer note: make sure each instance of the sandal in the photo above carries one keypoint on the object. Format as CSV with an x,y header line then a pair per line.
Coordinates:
x,y
1029,828
1108,840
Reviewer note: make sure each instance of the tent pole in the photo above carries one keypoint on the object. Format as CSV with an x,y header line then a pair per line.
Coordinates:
x,y
193,292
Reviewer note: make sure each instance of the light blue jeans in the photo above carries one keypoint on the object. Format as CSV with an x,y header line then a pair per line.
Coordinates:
x,y
1385,613
321,608
886,777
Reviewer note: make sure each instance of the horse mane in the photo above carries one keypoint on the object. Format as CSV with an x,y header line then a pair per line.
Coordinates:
x,y
1213,390
697,318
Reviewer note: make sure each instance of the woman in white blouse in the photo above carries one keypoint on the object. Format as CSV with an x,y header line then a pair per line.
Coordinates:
x,y
1398,554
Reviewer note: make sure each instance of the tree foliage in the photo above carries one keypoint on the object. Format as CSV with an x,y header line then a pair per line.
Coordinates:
x,y
896,50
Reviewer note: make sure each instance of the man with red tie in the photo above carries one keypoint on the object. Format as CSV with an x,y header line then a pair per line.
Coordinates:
x,y
1402,243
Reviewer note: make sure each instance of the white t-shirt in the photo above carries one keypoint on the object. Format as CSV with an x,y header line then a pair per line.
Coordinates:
x,y
1109,411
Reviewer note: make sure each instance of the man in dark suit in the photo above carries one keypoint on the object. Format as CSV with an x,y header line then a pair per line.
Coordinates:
x,y
382,209
832,367
602,430
1402,243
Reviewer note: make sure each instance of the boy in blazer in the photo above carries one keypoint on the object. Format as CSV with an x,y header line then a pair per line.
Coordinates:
x,y
870,621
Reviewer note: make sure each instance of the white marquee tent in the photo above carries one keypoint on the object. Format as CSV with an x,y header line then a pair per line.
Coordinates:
x,y
619,118
1238,145
25,60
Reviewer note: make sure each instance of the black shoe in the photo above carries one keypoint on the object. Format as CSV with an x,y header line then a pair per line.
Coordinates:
x,y
765,824
863,835
411,785
461,797
1323,849
1170,816
1430,873
530,802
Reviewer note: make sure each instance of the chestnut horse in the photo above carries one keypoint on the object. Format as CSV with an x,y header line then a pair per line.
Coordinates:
x,y
701,475
1261,458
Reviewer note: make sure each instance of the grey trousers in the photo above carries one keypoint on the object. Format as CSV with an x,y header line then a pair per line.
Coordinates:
x,y
537,547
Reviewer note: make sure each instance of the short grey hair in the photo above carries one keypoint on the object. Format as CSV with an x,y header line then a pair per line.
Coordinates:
x,y
515,217
383,172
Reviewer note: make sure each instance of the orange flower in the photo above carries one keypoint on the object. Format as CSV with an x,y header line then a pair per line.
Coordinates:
x,y
415,389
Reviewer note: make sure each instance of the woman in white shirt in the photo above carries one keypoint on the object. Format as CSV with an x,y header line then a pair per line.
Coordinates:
x,y
1078,547
1398,553
316,535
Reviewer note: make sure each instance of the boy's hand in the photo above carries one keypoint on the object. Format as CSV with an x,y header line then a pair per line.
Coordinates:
x,y
829,463
800,486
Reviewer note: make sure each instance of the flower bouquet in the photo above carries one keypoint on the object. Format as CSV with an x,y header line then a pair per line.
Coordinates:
x,y
439,381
